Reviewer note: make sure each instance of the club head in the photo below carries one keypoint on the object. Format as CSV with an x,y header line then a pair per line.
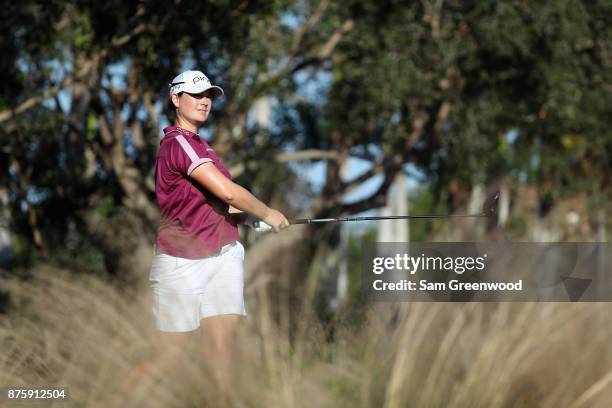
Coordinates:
x,y
489,208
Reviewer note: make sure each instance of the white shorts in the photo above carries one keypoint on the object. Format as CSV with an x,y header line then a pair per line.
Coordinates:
x,y
188,290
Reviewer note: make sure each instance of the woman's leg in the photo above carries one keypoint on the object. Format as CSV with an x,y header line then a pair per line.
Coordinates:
x,y
165,352
219,345
224,310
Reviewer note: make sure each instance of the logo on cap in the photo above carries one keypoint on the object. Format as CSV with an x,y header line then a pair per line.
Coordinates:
x,y
200,78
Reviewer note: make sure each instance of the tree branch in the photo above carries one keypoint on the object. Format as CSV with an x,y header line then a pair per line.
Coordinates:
x,y
354,183
312,20
376,200
54,90
34,101
325,51
309,154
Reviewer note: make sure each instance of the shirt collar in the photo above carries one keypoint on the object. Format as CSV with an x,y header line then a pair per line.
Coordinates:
x,y
174,131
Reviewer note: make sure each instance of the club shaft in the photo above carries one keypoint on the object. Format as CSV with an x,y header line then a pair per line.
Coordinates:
x,y
389,217
488,210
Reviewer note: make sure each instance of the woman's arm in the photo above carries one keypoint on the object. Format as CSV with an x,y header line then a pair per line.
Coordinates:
x,y
237,196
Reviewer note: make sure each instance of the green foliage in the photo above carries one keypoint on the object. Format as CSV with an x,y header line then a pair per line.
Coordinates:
x,y
84,34
354,256
423,201
85,257
538,68
105,207
22,248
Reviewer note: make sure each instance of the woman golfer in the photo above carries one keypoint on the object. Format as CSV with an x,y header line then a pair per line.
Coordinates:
x,y
197,272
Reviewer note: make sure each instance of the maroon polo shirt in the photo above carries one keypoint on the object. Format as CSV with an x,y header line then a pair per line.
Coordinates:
x,y
194,223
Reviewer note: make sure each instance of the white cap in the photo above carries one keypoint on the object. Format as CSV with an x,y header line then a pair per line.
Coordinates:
x,y
194,82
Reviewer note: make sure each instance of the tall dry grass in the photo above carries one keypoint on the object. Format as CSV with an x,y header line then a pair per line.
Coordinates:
x,y
84,334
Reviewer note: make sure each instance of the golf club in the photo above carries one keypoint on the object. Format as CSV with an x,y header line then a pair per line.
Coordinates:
x,y
489,209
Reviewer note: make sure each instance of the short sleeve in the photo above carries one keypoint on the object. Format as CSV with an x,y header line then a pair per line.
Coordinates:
x,y
186,156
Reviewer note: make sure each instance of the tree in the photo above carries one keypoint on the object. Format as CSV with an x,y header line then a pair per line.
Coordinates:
x,y
435,84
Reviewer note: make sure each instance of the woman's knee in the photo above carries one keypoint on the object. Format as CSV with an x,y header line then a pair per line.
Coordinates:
x,y
218,331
